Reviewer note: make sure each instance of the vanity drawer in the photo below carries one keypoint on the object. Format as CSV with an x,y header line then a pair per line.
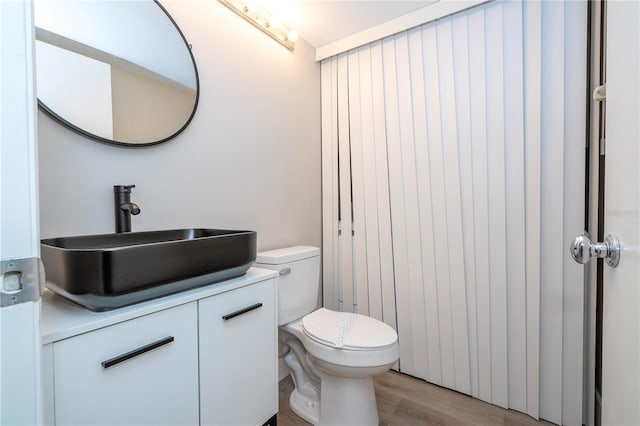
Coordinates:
x,y
139,372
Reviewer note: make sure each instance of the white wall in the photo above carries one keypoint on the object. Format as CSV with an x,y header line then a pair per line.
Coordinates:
x,y
250,159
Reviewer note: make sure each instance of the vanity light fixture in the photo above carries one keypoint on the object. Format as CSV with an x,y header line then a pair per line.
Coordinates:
x,y
270,24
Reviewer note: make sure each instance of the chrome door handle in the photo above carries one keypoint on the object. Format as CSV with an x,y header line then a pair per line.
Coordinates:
x,y
582,250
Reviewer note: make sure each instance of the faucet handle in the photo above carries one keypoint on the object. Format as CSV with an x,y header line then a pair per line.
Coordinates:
x,y
123,188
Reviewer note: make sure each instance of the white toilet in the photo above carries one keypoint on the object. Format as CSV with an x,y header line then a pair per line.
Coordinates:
x,y
332,355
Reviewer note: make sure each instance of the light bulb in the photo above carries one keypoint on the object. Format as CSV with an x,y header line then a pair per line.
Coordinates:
x,y
275,22
292,36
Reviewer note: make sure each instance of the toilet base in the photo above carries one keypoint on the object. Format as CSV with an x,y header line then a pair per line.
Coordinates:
x,y
304,407
345,401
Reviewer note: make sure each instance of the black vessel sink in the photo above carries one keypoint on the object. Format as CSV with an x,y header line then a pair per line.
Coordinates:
x,y
108,271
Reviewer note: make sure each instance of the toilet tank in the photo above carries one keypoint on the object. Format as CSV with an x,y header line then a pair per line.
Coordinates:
x,y
298,282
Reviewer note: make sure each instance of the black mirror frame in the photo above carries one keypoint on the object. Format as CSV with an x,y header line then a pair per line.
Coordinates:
x,y
97,138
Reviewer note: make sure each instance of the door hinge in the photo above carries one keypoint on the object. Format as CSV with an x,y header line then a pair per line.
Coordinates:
x,y
22,281
603,146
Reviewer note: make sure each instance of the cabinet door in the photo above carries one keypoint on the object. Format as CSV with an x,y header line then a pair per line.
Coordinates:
x,y
238,359
101,379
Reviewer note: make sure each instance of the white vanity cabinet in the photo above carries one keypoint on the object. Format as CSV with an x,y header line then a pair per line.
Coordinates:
x,y
206,356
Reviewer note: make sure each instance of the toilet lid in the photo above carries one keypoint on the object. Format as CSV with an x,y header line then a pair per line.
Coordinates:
x,y
347,330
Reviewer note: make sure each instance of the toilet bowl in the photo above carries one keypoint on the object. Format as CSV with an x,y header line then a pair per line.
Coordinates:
x,y
332,356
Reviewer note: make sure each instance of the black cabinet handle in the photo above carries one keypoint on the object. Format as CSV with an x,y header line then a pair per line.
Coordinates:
x,y
151,346
241,311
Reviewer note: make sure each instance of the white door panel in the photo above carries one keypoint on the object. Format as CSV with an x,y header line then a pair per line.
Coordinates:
x,y
621,300
20,391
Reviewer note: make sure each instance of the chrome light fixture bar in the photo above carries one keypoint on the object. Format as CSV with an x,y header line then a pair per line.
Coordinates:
x,y
252,12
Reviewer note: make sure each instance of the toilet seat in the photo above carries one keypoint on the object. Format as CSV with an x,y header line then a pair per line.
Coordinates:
x,y
350,331
370,343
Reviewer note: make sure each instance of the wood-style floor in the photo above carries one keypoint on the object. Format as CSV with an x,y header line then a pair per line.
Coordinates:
x,y
406,401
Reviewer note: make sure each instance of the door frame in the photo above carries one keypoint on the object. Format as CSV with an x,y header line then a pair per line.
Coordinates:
x,y
594,213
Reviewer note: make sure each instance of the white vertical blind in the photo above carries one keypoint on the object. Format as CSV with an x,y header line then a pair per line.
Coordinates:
x,y
573,307
382,186
532,68
515,206
480,189
361,291
345,244
330,252
553,75
459,153
430,295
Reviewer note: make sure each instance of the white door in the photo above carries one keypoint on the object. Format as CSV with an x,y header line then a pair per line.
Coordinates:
x,y
20,391
621,300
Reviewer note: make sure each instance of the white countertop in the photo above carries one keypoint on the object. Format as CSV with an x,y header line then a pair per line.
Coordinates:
x,y
62,319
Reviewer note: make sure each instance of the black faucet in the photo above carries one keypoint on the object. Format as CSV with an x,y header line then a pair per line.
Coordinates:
x,y
124,208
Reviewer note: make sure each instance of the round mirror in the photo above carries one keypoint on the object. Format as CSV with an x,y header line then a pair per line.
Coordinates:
x,y
118,72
